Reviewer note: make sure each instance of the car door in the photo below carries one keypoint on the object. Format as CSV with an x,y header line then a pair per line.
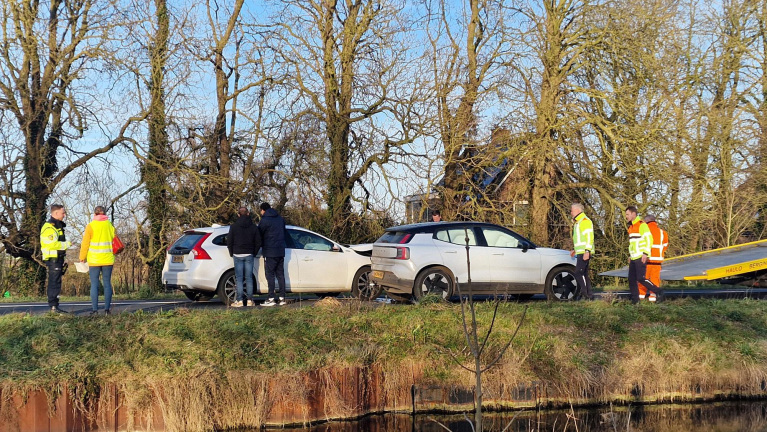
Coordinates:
x,y
513,264
451,245
322,264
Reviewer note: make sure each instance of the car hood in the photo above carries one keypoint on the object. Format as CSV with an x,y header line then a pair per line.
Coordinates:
x,y
362,247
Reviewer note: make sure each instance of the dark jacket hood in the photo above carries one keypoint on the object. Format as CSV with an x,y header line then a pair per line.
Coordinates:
x,y
271,213
244,221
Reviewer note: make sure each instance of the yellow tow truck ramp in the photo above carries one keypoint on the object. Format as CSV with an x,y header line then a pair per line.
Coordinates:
x,y
733,264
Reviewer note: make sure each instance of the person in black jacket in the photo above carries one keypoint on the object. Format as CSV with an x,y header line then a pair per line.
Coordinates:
x,y
272,227
243,241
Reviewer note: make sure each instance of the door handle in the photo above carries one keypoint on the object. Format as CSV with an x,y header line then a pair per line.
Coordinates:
x,y
308,259
451,252
499,253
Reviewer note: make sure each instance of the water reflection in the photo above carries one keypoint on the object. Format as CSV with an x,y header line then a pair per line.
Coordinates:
x,y
718,417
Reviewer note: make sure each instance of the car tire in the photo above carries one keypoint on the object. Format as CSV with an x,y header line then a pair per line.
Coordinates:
x,y
434,281
561,284
363,287
227,287
197,296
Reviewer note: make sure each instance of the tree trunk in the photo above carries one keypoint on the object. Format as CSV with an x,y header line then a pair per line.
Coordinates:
x,y
153,172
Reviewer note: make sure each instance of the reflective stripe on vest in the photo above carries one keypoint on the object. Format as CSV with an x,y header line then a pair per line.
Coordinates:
x,y
100,246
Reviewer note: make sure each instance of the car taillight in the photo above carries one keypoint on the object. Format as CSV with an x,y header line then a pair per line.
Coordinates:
x,y
198,251
403,253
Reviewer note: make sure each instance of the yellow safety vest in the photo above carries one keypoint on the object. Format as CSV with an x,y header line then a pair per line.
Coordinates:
x,y
640,239
583,234
100,246
50,245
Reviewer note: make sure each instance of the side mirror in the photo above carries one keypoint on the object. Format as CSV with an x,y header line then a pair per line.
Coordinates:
x,y
525,246
336,248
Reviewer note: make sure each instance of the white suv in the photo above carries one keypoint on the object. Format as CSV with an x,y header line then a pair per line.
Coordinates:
x,y
411,261
199,264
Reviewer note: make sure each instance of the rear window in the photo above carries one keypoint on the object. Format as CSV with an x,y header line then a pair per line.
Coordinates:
x,y
185,244
397,237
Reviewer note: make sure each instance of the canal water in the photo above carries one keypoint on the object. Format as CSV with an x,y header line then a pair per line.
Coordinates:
x,y
710,417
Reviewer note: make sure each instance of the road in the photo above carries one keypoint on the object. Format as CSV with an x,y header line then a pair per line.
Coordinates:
x,y
122,306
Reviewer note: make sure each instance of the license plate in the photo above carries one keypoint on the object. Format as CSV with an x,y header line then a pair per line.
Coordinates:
x,y
177,258
378,274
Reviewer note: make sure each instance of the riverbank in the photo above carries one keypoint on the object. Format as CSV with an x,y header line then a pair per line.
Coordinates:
x,y
204,369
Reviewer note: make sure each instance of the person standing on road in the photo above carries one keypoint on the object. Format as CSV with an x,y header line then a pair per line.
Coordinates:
x,y
583,248
54,245
272,227
243,241
657,254
640,245
96,250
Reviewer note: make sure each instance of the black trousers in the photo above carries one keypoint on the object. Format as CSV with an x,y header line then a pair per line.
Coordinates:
x,y
55,270
637,271
274,267
582,277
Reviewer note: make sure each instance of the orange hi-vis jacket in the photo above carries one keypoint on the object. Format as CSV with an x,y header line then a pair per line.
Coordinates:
x,y
659,243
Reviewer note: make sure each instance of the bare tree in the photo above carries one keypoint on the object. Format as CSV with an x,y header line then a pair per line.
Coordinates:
x,y
47,48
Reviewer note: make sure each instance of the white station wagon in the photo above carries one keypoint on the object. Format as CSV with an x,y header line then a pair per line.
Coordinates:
x,y
411,261
199,264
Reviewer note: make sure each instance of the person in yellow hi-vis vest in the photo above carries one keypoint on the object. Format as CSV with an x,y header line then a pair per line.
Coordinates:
x,y
96,250
583,249
54,245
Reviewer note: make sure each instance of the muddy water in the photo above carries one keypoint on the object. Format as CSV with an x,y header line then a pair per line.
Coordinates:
x,y
713,417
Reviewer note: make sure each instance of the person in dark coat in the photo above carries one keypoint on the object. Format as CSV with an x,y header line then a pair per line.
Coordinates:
x,y
272,227
243,241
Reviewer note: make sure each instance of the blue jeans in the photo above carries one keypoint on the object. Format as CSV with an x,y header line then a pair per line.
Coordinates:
x,y
106,272
243,270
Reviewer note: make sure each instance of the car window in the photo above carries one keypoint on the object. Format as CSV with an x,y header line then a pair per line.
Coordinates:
x,y
399,237
220,240
499,238
186,242
456,236
309,241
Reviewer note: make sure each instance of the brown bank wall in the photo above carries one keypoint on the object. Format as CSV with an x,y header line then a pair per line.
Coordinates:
x,y
242,399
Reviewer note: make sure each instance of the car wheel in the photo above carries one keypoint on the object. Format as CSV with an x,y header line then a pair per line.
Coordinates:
x,y
561,284
363,286
227,288
434,281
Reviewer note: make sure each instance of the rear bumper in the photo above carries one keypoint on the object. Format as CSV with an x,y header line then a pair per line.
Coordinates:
x,y
393,284
185,281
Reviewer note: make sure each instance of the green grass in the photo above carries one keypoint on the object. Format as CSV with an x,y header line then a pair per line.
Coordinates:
x,y
41,350
82,298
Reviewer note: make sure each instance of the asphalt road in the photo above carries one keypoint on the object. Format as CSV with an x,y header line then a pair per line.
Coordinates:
x,y
127,306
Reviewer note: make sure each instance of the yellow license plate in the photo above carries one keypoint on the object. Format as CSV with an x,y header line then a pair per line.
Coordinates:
x,y
378,274
177,258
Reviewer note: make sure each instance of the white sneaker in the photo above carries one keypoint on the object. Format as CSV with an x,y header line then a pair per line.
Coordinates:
x,y
653,298
282,301
269,303
237,303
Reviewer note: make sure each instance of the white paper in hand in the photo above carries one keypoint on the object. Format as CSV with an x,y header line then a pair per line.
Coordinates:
x,y
82,267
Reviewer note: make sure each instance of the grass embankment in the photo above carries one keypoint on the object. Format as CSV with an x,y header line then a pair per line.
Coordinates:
x,y
593,350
